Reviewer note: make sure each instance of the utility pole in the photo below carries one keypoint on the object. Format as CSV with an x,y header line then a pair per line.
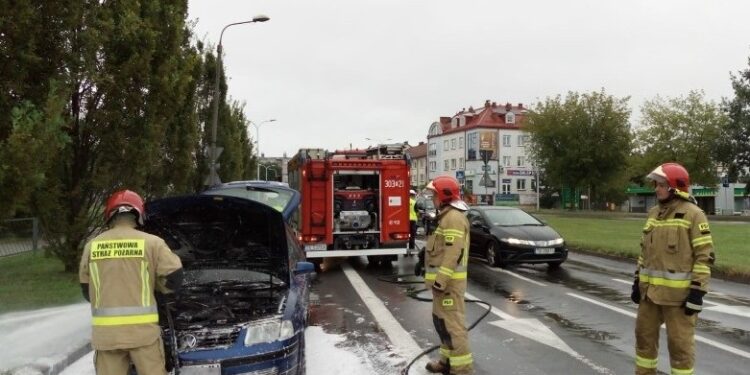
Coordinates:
x,y
213,173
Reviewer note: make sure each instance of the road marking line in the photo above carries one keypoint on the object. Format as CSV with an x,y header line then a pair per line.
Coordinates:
x,y
742,311
699,338
595,302
400,338
535,330
524,278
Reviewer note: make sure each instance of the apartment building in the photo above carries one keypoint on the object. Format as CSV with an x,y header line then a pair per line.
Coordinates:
x,y
418,155
485,149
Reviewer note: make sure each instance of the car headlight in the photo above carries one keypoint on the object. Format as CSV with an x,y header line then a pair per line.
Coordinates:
x,y
556,242
516,241
268,330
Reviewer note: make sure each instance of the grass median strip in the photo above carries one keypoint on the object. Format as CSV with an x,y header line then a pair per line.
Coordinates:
x,y
32,281
621,236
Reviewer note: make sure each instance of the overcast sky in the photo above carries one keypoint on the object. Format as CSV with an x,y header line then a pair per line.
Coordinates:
x,y
334,72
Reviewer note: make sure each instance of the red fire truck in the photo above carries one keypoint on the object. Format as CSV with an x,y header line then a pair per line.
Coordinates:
x,y
354,202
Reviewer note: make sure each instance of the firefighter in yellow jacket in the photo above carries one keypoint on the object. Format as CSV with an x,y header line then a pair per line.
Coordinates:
x,y
673,273
446,260
120,270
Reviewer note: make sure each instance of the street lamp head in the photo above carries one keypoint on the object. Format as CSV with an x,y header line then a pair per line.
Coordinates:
x,y
261,18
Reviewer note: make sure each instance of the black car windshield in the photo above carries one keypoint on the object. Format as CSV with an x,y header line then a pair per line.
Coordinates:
x,y
510,218
276,198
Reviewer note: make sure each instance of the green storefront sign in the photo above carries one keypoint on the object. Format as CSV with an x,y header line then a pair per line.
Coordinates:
x,y
506,200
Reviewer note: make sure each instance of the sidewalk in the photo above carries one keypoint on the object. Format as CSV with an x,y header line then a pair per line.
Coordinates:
x,y
44,341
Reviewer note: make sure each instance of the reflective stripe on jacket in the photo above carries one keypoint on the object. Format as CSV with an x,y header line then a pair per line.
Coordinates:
x,y
447,251
676,252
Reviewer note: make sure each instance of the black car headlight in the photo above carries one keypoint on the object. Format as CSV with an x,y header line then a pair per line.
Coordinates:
x,y
516,241
268,330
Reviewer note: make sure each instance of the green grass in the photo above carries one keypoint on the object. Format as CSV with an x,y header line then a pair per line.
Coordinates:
x,y
33,281
621,236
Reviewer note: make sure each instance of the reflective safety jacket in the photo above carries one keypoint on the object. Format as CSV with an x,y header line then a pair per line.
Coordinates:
x,y
412,211
122,267
447,251
676,252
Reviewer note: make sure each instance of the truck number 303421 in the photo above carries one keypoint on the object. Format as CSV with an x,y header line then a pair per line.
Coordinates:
x,y
394,183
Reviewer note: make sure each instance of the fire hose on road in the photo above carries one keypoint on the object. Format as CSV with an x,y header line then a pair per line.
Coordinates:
x,y
408,279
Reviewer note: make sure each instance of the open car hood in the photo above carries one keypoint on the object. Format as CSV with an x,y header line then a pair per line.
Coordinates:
x,y
221,232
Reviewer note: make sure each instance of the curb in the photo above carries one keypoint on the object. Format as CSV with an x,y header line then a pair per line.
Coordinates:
x,y
50,366
715,273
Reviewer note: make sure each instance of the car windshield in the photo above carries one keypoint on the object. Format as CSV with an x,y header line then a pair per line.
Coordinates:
x,y
510,218
426,204
276,198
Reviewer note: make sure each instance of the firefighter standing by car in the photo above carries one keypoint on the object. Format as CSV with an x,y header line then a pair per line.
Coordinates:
x,y
446,260
119,272
673,272
412,219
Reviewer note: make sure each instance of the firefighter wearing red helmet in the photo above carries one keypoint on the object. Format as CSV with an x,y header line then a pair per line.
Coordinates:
x,y
120,271
673,272
446,261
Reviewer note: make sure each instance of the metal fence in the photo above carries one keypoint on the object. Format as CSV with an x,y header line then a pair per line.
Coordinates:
x,y
19,235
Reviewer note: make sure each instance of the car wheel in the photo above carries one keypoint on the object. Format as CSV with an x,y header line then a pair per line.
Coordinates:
x,y
554,265
491,254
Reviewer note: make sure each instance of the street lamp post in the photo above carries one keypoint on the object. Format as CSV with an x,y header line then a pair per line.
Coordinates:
x,y
257,143
213,176
266,168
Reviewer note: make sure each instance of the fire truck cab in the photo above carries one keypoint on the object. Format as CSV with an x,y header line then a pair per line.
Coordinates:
x,y
354,202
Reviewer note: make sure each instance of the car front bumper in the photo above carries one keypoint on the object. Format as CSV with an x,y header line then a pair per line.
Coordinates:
x,y
529,255
239,361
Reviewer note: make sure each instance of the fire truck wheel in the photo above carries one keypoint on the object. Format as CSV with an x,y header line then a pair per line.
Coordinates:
x,y
316,263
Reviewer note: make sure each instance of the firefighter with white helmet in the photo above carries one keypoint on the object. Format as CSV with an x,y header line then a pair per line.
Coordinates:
x,y
120,271
673,272
446,261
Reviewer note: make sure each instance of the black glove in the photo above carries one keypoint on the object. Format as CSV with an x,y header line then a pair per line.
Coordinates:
x,y
419,267
694,302
635,295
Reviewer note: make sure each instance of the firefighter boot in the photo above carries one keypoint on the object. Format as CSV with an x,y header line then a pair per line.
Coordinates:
x,y
437,367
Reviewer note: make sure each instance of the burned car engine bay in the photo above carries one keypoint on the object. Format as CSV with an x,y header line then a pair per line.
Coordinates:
x,y
235,271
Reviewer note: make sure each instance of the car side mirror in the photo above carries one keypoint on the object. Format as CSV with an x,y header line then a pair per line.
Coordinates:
x,y
304,268
478,224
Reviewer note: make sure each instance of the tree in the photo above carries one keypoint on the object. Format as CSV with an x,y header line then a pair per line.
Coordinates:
x,y
32,99
686,130
28,152
99,96
581,142
737,130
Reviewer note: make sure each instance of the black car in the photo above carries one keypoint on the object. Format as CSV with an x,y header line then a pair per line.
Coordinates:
x,y
426,215
504,235
243,306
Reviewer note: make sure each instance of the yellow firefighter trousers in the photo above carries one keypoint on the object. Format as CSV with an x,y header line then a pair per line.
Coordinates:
x,y
680,338
449,318
148,360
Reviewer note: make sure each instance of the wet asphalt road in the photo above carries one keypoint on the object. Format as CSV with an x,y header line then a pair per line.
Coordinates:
x,y
575,320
